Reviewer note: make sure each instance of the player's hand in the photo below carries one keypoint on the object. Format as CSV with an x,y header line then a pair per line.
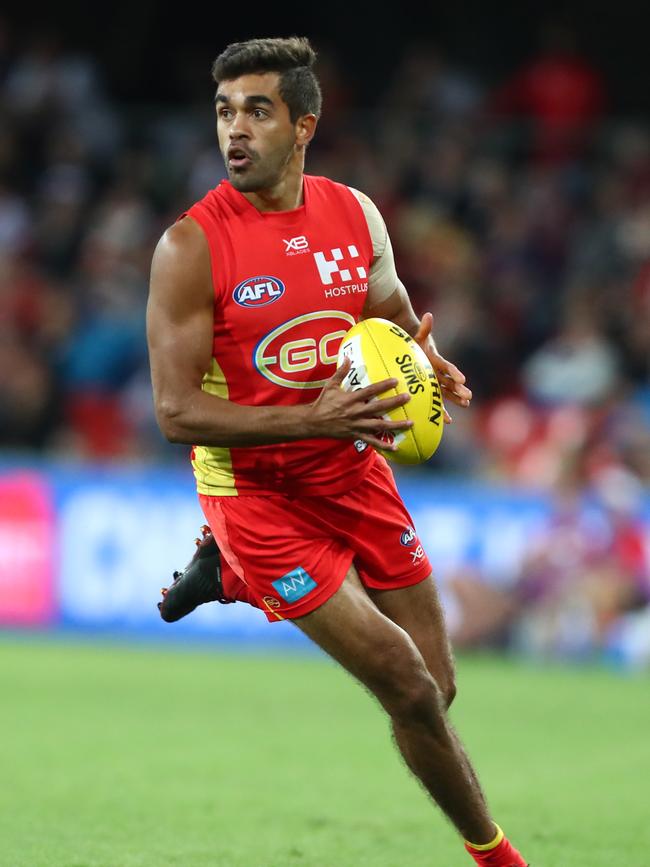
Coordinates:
x,y
356,414
452,381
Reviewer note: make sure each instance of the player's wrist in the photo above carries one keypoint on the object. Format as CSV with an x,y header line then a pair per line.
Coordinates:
x,y
306,422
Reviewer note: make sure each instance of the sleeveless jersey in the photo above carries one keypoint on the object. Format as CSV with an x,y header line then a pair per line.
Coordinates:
x,y
288,285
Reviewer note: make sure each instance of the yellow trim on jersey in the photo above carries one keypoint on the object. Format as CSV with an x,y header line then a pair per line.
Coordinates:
x,y
484,847
212,465
272,610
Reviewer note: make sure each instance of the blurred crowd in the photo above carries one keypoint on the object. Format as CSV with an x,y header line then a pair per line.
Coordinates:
x,y
519,213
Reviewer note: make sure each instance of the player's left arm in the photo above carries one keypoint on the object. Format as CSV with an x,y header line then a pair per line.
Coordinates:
x,y
388,299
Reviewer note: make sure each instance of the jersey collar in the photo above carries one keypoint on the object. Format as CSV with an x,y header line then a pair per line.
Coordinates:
x,y
241,204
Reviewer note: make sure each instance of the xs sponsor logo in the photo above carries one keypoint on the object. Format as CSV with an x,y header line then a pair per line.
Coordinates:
x,y
417,555
295,584
408,537
295,246
258,291
335,265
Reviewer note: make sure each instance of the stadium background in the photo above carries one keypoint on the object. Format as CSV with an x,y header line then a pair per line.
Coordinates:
x,y
512,162
510,154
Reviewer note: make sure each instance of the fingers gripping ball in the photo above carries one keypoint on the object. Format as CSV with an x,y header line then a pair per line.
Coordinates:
x,y
379,349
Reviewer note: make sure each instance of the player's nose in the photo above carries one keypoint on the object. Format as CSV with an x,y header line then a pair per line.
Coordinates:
x,y
238,128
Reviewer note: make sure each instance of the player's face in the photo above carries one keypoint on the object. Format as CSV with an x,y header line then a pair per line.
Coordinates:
x,y
256,135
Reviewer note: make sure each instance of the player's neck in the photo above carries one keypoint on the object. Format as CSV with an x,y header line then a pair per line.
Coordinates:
x,y
284,196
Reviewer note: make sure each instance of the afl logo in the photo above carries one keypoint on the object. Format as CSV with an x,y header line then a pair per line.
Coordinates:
x,y
408,537
258,291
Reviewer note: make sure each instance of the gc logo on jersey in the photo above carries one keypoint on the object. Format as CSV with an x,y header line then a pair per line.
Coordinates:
x,y
297,353
258,291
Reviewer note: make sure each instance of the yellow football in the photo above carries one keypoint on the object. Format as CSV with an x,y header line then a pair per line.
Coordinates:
x,y
379,349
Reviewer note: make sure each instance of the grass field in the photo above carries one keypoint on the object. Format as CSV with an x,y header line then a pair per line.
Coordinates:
x,y
114,756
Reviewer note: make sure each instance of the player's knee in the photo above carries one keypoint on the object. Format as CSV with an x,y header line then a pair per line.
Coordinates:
x,y
448,690
420,703
445,676
447,686
408,691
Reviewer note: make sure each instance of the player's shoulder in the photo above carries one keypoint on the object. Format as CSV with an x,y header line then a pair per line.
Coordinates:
x,y
369,208
330,185
362,197
182,255
374,220
197,219
183,238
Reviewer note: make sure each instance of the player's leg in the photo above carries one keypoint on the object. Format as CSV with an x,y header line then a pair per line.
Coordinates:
x,y
394,568
381,654
291,555
395,571
417,610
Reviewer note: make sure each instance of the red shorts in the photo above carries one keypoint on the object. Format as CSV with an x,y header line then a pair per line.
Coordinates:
x,y
294,552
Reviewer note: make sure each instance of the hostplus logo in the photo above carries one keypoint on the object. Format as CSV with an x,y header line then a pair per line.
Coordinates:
x,y
338,267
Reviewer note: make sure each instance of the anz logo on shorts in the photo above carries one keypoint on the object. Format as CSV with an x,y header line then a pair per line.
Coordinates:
x,y
295,584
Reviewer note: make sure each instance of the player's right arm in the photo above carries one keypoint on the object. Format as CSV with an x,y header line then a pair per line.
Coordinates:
x,y
179,336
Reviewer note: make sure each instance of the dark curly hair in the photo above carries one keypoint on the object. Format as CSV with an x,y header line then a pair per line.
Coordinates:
x,y
292,58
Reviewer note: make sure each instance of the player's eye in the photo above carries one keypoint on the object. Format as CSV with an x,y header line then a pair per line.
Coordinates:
x,y
225,113
259,113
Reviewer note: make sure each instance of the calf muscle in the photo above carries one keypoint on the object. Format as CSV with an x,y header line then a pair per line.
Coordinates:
x,y
382,655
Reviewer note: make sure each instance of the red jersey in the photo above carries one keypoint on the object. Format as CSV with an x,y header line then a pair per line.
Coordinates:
x,y
288,285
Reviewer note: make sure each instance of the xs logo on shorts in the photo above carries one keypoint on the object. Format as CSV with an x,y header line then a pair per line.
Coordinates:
x,y
418,555
295,584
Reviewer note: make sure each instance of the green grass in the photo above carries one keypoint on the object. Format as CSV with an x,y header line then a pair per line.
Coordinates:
x,y
114,756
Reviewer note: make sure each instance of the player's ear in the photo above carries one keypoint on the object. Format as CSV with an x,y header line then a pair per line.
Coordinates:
x,y
305,129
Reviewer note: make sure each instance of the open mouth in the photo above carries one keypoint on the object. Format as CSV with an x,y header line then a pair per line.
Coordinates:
x,y
238,158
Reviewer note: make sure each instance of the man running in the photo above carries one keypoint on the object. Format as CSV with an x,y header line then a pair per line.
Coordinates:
x,y
252,290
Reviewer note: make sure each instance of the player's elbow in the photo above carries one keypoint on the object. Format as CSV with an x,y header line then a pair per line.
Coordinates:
x,y
169,415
